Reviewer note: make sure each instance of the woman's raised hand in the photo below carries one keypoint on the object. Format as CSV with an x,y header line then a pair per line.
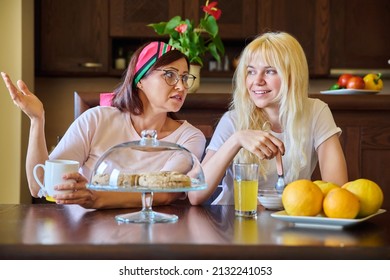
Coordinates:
x,y
23,98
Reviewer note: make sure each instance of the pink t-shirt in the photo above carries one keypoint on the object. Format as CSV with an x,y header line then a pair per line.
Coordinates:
x,y
100,128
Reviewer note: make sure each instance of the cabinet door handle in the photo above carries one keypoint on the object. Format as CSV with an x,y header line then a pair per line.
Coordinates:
x,y
91,65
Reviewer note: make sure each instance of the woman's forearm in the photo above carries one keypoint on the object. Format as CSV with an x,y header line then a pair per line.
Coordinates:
x,y
36,153
214,167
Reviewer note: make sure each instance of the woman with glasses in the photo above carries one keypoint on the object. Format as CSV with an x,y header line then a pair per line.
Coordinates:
x,y
154,88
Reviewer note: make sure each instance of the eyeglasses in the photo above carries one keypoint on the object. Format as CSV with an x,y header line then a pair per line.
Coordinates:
x,y
172,78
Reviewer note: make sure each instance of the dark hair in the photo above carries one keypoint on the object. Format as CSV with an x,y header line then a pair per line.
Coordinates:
x,y
126,97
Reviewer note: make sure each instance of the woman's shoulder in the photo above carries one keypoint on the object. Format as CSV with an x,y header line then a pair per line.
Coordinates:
x,y
190,137
317,103
319,110
189,128
229,116
317,106
228,119
103,109
100,116
101,112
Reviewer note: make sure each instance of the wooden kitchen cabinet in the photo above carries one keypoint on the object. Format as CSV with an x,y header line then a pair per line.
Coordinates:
x,y
129,18
334,33
360,36
72,37
306,20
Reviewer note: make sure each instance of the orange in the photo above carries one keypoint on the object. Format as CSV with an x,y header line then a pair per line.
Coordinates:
x,y
369,193
341,203
302,198
326,186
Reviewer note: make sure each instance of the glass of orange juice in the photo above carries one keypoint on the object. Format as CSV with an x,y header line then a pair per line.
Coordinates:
x,y
246,184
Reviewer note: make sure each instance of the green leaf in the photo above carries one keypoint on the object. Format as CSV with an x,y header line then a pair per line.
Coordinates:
x,y
197,60
159,28
171,25
214,52
190,25
219,44
176,45
175,35
211,26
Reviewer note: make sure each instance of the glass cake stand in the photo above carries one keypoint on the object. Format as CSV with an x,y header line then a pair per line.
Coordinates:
x,y
147,214
148,155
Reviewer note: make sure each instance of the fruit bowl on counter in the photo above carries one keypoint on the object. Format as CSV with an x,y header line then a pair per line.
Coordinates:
x,y
326,204
352,84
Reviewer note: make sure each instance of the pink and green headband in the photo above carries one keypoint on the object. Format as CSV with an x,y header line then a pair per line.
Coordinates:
x,y
148,57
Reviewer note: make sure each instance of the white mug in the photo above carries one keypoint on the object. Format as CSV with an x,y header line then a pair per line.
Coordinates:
x,y
54,170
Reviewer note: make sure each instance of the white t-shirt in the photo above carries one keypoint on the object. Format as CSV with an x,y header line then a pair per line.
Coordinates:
x,y
322,127
100,128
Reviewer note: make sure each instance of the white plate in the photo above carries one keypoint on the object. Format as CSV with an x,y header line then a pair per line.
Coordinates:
x,y
195,186
320,221
349,91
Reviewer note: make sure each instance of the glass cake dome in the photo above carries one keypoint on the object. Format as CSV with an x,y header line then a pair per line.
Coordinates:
x,y
147,166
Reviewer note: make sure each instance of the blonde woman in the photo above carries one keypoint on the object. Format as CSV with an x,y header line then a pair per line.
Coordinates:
x,y
271,113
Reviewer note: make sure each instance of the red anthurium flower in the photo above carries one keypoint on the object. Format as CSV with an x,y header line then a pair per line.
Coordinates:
x,y
181,28
212,10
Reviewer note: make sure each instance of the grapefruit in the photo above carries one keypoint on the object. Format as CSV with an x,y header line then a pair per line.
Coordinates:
x,y
326,186
302,198
369,194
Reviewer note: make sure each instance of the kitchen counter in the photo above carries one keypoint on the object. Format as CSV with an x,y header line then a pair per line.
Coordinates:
x,y
224,85
51,231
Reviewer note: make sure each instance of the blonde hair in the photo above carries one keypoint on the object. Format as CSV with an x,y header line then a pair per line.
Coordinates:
x,y
282,51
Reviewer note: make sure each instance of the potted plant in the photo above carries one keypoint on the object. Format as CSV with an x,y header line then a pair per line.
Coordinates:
x,y
195,40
